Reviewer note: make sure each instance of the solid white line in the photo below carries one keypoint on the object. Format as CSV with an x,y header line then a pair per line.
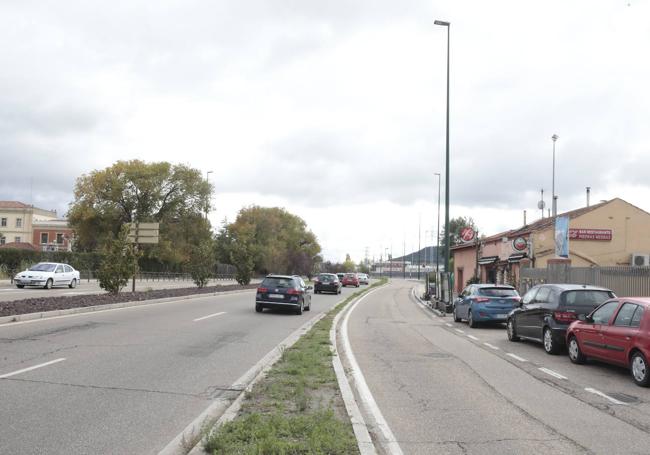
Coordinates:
x,y
553,373
459,331
599,393
209,316
25,370
491,346
367,399
472,337
516,357
448,324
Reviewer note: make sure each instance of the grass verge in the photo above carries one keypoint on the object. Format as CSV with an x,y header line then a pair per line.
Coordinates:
x,y
297,407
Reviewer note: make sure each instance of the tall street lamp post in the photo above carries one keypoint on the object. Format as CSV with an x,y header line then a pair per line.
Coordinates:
x,y
438,241
447,242
207,205
555,137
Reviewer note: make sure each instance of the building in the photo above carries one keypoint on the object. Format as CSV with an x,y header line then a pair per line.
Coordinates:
x,y
22,223
605,234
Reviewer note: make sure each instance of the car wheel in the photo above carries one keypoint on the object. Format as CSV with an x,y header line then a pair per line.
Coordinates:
x,y
259,308
339,291
470,320
73,283
575,353
309,307
640,370
550,346
510,329
20,286
299,309
48,285
456,318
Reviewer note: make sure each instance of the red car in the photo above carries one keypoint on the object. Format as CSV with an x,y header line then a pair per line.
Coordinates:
x,y
350,279
616,332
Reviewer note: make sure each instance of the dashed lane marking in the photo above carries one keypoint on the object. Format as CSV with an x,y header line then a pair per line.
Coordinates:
x,y
472,337
607,397
448,324
459,331
25,370
491,346
553,373
516,357
209,316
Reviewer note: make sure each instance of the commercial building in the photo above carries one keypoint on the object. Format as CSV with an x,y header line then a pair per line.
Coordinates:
x,y
605,234
21,223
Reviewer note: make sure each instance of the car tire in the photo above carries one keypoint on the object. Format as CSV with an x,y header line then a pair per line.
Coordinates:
x,y
299,309
456,318
550,346
73,283
511,331
259,307
470,320
575,353
20,286
48,284
640,369
339,291
309,307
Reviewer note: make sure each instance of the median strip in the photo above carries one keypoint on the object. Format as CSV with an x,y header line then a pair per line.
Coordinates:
x,y
25,370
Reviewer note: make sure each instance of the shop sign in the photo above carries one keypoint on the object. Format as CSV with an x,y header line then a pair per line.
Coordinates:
x,y
590,234
467,234
520,244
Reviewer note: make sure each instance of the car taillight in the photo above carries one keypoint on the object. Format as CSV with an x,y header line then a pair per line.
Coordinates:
x,y
262,290
481,299
293,291
564,316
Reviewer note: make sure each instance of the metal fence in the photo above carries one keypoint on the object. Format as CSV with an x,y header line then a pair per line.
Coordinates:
x,y
623,280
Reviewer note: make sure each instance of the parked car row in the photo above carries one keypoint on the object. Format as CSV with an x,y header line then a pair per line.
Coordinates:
x,y
586,321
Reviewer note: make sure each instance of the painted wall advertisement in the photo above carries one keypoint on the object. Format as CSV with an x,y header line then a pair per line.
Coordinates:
x,y
562,236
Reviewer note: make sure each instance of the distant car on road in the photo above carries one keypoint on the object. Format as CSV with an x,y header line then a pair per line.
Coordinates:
x,y
340,276
48,275
616,332
363,278
547,310
283,291
327,282
485,303
350,279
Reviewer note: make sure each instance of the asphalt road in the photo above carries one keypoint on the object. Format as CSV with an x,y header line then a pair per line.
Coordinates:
x,y
444,388
132,379
9,292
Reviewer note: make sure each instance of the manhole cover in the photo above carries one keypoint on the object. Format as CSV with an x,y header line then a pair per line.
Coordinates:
x,y
624,397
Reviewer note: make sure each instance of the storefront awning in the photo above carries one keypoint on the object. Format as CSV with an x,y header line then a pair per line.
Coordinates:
x,y
488,260
516,257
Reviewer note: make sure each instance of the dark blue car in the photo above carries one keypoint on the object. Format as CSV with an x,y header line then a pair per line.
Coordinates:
x,y
485,303
283,291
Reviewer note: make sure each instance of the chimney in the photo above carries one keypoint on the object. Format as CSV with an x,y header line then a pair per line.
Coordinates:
x,y
525,218
588,191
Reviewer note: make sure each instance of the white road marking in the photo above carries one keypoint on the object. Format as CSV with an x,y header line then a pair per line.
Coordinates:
x,y
472,337
25,370
209,316
553,373
491,346
448,324
599,393
459,331
516,357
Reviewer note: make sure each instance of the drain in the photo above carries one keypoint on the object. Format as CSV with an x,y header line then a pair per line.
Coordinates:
x,y
624,397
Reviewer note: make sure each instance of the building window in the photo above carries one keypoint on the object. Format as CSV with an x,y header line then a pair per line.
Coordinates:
x,y
19,222
59,238
2,240
4,222
43,237
17,239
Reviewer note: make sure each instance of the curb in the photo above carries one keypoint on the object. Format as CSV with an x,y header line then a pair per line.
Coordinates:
x,y
8,320
426,305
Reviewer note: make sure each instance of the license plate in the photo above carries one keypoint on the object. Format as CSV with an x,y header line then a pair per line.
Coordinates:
x,y
276,296
501,316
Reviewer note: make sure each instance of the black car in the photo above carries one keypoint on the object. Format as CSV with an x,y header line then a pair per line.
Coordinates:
x,y
327,282
283,291
547,310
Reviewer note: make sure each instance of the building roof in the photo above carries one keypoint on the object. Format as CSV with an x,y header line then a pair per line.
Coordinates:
x,y
13,205
19,246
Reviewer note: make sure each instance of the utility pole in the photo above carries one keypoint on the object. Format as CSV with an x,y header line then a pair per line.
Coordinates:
x,y
207,205
419,244
404,259
555,137
438,243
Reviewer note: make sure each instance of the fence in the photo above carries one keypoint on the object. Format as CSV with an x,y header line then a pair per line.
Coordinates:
x,y
623,280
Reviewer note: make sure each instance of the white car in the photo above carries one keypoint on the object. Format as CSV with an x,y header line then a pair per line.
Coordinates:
x,y
48,274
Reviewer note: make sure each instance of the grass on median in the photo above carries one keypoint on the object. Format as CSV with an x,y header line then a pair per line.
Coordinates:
x,y
297,407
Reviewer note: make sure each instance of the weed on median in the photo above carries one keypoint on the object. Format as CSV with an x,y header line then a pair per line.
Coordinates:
x,y
297,407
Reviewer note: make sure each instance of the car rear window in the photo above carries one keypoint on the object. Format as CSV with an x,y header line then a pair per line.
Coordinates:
x,y
585,298
497,292
326,277
274,282
349,275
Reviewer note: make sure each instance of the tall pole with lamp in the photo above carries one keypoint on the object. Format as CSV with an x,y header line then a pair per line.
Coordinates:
x,y
438,242
207,205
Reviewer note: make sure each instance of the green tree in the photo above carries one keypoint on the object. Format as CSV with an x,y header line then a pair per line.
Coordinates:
x,y
202,262
348,265
119,264
174,195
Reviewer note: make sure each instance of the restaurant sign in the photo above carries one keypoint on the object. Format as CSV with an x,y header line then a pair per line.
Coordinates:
x,y
590,234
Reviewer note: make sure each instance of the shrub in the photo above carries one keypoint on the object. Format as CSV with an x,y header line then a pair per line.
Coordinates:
x,y
119,264
202,263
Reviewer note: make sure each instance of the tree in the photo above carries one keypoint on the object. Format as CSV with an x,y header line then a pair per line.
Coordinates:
x,y
174,195
202,262
348,265
119,264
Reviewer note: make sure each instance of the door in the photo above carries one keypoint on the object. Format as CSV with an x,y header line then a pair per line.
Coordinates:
x,y
591,333
619,336
59,275
462,303
529,323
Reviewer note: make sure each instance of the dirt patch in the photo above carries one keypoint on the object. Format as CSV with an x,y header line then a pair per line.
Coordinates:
x,y
40,304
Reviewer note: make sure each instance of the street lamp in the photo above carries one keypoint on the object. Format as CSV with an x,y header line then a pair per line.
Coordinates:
x,y
389,265
438,241
555,137
207,205
447,242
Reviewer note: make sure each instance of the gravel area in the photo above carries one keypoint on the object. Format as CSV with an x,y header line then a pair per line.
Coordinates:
x,y
37,305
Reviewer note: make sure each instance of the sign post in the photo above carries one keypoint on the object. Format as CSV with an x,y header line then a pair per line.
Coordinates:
x,y
140,233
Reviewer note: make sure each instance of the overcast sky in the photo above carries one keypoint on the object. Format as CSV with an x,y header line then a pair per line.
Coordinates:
x,y
334,110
